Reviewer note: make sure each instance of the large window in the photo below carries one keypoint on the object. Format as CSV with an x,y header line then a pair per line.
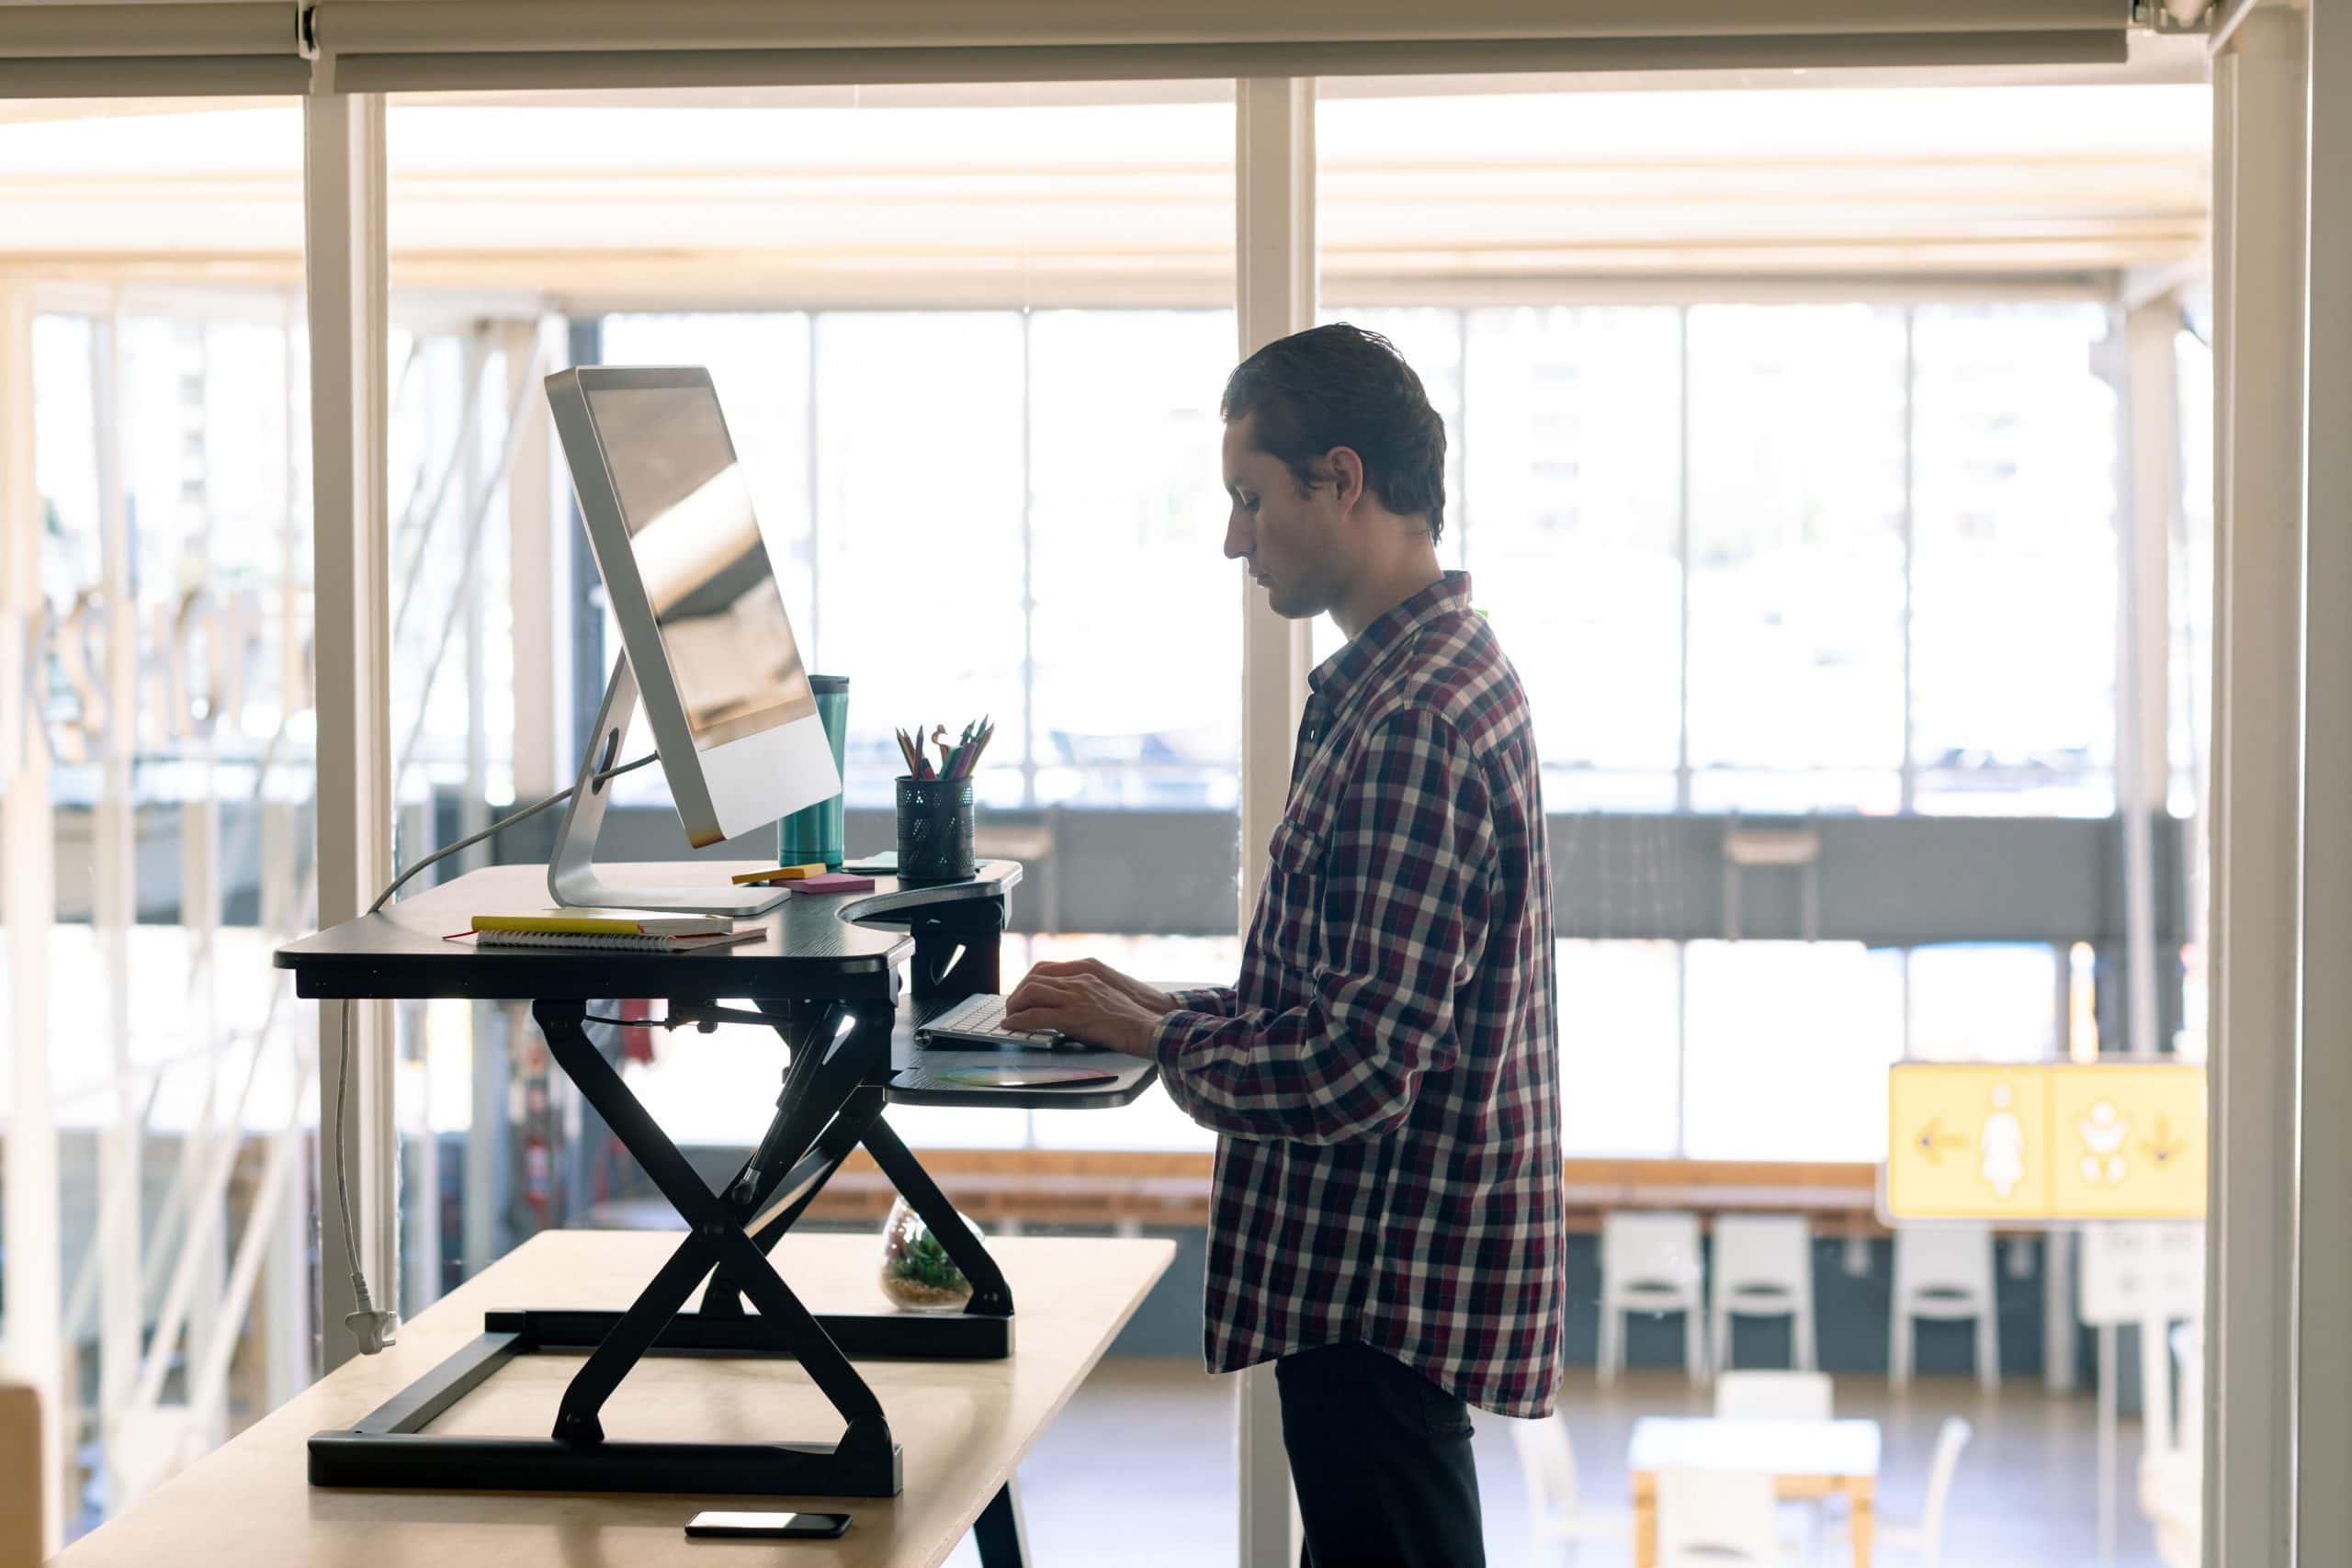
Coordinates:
x,y
2013,607
1133,615
1759,539
982,442
1052,475
1569,508
1796,557
1735,550
1779,1050
1621,1047
168,702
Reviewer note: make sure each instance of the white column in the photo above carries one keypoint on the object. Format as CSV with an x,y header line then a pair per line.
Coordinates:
x,y
343,206
473,492
2324,1262
1275,279
196,742
2150,393
288,1300
114,908
538,577
35,1345
2258,145
284,915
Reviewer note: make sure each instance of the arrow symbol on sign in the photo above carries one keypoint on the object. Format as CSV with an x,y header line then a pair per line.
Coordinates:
x,y
2159,1145
1932,1141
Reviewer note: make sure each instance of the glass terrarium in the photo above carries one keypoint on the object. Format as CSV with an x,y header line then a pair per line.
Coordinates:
x,y
916,1273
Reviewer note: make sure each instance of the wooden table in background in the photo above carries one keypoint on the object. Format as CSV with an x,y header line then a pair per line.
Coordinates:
x,y
963,1425
1804,1458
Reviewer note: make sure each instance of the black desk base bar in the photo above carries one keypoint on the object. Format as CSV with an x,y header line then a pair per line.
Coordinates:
x,y
831,1103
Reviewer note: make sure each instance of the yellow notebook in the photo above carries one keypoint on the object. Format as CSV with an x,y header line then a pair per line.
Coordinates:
x,y
607,922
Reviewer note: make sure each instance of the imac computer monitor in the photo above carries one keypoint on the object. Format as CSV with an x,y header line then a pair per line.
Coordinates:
x,y
702,627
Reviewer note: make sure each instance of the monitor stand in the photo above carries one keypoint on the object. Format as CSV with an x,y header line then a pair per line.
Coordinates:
x,y
572,870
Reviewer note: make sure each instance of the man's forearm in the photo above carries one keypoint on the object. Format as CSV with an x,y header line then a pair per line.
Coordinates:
x,y
1314,1074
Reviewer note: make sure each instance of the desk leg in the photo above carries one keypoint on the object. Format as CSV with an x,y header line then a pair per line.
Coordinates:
x,y
717,1240
998,1532
1645,1520
1857,1501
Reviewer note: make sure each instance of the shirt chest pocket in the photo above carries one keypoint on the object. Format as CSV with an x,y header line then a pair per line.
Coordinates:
x,y
1290,912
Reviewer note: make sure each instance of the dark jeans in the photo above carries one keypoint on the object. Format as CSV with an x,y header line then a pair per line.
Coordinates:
x,y
1381,1458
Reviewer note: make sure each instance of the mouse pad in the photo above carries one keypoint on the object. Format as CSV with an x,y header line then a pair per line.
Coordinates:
x,y
1024,1078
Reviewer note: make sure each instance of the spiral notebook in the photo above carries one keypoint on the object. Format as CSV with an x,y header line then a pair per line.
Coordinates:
x,y
605,943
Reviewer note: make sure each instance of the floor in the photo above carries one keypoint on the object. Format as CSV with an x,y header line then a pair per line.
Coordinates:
x,y
1139,1471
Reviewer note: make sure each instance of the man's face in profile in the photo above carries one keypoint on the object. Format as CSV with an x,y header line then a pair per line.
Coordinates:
x,y
1286,535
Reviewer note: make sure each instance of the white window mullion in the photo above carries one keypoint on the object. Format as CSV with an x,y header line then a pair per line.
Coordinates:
x,y
343,199
2323,1265
1274,279
2259,194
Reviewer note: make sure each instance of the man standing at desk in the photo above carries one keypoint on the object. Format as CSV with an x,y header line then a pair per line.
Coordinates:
x,y
1386,1226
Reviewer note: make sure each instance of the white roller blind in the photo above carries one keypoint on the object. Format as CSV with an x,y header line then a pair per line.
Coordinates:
x,y
395,45
361,26
587,69
140,50
209,46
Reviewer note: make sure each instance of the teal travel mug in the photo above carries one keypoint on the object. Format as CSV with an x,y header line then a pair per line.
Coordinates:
x,y
814,833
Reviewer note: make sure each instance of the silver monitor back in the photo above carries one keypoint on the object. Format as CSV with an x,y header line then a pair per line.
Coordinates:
x,y
703,633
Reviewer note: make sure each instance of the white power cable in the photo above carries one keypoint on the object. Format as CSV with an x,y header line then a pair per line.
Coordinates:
x,y
373,1329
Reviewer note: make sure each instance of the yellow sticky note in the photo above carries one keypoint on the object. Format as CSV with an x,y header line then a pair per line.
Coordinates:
x,y
2128,1141
782,874
1967,1142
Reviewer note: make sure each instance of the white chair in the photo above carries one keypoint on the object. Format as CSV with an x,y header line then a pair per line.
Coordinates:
x,y
1772,1396
1716,1519
1944,1273
1763,1268
1547,1464
1780,1396
1650,1262
1925,1539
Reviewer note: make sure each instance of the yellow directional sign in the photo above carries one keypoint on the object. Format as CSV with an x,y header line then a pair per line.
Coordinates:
x,y
1968,1143
2128,1141
2046,1141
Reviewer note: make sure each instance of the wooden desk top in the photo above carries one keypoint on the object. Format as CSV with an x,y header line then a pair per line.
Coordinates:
x,y
963,1425
1770,1447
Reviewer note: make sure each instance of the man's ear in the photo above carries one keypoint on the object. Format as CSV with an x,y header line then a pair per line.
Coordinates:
x,y
1347,475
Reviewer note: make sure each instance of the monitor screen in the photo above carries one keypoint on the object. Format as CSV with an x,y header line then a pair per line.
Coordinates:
x,y
698,550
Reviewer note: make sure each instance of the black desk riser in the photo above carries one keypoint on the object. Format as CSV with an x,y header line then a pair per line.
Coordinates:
x,y
827,979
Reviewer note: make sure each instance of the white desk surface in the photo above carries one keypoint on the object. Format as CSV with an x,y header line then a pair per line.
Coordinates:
x,y
1769,1447
963,1425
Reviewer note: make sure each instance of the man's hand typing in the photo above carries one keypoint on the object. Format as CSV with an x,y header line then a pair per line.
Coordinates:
x,y
1087,999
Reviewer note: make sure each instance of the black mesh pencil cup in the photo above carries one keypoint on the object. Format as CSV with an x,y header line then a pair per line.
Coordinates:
x,y
934,830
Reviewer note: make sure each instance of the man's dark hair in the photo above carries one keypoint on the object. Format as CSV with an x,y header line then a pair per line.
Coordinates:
x,y
1341,386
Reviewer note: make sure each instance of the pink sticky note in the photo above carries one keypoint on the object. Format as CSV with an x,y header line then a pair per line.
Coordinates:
x,y
833,882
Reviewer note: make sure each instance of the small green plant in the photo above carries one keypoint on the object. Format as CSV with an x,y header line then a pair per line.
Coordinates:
x,y
925,1262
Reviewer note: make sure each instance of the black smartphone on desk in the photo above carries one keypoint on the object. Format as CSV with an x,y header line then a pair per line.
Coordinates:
x,y
718,1525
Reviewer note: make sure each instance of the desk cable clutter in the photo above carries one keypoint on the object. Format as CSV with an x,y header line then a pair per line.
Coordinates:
x,y
375,1329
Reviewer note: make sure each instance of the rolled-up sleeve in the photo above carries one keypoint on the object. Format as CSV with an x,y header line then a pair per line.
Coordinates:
x,y
1403,893
1216,1001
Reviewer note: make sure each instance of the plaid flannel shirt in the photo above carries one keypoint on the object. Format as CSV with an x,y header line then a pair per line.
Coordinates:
x,y
1384,1077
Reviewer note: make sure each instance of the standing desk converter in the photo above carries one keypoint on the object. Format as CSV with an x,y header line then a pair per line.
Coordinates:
x,y
827,978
